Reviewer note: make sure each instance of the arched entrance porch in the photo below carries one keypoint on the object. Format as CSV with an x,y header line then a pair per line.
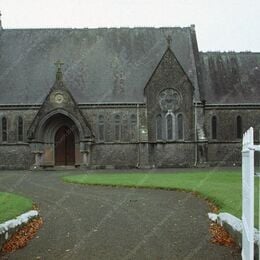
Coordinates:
x,y
61,141
60,126
57,141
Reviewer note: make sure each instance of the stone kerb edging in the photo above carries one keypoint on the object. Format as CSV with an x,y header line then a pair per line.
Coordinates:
x,y
11,226
234,226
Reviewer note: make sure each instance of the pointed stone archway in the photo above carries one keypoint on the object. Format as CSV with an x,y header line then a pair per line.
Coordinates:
x,y
60,140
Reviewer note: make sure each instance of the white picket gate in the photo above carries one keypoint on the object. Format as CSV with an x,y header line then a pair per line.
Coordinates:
x,y
248,172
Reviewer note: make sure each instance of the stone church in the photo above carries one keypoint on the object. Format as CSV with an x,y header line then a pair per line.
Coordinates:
x,y
122,98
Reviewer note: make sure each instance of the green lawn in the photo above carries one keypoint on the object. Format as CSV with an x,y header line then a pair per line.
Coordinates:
x,y
221,187
12,205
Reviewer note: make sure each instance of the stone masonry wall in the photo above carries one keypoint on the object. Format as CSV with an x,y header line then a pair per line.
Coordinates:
x,y
14,154
114,155
12,123
226,122
225,150
17,156
172,154
125,112
224,154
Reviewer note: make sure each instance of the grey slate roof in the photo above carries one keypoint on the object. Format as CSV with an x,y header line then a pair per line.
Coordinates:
x,y
101,65
230,78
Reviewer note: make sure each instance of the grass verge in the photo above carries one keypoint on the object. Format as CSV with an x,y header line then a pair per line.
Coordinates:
x,y
12,205
223,188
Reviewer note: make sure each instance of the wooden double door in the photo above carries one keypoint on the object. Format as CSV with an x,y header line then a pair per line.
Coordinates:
x,y
64,146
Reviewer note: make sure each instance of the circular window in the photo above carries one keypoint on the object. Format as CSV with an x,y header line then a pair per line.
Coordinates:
x,y
169,99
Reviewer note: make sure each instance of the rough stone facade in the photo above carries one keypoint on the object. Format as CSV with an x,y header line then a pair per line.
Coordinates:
x,y
140,97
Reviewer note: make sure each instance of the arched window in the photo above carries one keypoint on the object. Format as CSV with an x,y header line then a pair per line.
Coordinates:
x,y
159,127
101,128
20,129
180,126
133,123
169,126
4,129
214,127
239,127
117,124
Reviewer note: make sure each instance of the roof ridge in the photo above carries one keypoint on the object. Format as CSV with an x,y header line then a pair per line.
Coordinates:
x,y
102,28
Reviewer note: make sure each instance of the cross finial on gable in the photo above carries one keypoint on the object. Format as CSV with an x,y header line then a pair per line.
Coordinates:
x,y
58,64
169,40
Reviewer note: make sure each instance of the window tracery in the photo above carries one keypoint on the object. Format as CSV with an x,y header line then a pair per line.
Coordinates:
x,y
133,125
20,129
239,127
117,124
169,99
214,127
4,129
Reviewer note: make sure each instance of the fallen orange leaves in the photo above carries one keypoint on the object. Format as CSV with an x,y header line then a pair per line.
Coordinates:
x,y
22,236
213,207
221,236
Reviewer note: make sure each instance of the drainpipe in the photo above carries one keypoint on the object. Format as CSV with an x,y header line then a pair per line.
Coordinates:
x,y
195,137
138,129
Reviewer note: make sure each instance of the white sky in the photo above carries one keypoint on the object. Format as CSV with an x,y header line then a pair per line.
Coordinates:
x,y
220,24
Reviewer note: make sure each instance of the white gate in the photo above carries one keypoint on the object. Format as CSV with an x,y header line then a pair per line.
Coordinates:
x,y
248,194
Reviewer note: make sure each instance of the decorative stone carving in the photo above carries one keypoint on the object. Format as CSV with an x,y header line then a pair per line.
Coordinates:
x,y
59,98
169,100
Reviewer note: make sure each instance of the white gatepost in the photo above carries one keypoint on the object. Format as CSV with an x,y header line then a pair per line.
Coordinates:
x,y
248,172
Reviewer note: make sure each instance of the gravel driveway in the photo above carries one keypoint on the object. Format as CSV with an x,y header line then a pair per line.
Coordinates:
x,y
94,222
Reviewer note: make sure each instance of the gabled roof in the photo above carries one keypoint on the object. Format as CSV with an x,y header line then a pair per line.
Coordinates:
x,y
108,65
65,105
230,78
168,57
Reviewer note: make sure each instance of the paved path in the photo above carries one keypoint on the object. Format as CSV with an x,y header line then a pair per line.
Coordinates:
x,y
93,222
